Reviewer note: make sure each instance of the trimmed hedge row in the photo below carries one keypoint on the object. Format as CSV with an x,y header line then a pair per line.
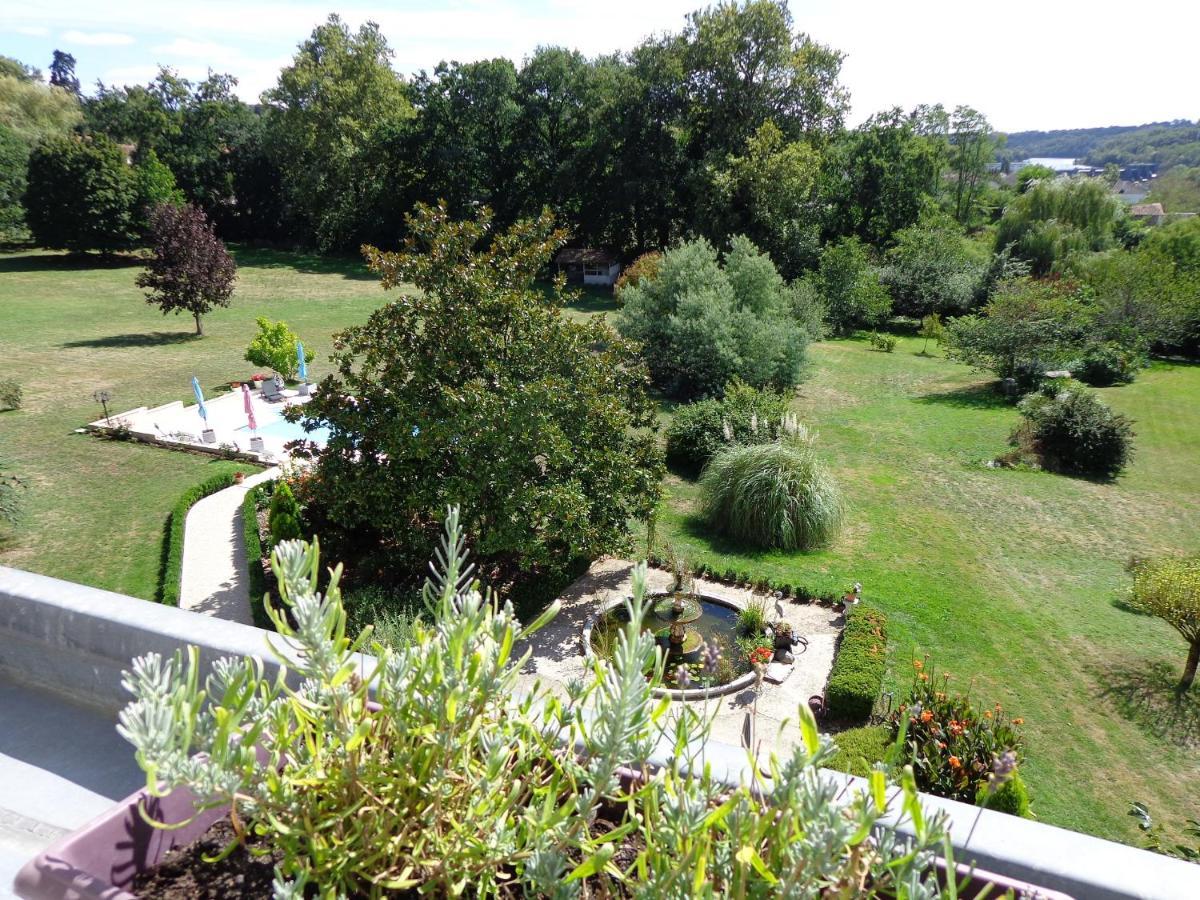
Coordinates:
x,y
255,553
798,593
171,568
858,749
857,675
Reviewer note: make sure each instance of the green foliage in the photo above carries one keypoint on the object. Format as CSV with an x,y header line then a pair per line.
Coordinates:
x,y
1011,797
393,615
1166,143
857,674
35,111
885,343
1155,838
932,329
81,195
284,518
859,749
14,161
1030,175
1170,589
274,348
1178,190
701,324
752,618
1103,365
933,269
357,800
256,580
1054,221
850,287
744,415
171,569
1071,430
775,495
540,422
956,750
10,394
154,185
972,149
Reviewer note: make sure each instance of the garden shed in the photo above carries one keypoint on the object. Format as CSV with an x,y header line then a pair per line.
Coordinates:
x,y
587,266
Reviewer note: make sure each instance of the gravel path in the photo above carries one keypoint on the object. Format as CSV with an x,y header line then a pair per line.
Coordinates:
x,y
213,579
557,655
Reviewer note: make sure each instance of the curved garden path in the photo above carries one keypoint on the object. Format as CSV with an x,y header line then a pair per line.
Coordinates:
x,y
213,579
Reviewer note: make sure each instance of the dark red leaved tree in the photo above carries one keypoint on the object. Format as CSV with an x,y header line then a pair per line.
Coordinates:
x,y
191,271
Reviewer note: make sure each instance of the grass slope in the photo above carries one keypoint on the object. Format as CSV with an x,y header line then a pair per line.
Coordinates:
x,y
1011,579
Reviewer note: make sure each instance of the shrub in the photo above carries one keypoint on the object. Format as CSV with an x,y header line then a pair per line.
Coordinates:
x,y
645,266
953,747
883,342
860,748
1169,588
701,323
171,569
284,519
10,394
275,346
393,614
850,287
1011,797
1073,431
752,618
256,580
352,801
1106,364
857,674
744,415
775,495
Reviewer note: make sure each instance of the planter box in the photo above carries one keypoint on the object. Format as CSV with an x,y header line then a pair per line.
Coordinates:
x,y
101,860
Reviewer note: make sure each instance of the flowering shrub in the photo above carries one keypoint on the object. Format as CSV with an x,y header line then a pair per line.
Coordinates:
x,y
760,656
955,749
459,782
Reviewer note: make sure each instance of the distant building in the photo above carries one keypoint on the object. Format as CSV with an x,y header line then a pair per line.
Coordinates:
x,y
1132,191
587,266
1153,213
1061,165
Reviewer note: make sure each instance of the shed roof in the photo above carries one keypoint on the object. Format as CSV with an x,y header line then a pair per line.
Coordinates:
x,y
578,256
1147,209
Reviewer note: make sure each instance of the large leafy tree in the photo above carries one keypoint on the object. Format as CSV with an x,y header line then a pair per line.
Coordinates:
x,y
190,270
933,268
701,323
62,72
848,283
327,118
475,390
972,149
81,195
1054,221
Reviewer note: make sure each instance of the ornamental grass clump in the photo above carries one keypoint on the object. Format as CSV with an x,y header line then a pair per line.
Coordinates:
x,y
459,782
776,495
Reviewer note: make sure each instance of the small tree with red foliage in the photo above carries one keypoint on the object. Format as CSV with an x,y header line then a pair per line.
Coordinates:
x,y
191,271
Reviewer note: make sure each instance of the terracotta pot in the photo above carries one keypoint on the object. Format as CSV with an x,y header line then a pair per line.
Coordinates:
x,y
239,477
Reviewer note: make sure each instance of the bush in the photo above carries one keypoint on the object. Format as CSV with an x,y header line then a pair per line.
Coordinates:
x,y
857,674
393,614
698,430
357,800
171,569
1011,797
752,618
1070,430
700,323
256,580
860,748
1106,364
10,394
284,519
882,342
275,347
952,747
645,266
775,495
850,287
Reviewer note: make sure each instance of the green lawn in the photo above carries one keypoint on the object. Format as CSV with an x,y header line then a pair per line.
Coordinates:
x,y
1011,579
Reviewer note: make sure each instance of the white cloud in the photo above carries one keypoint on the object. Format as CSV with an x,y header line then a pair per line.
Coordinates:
x,y
98,38
32,30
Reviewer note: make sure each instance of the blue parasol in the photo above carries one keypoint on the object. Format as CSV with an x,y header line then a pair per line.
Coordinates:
x,y
201,408
303,370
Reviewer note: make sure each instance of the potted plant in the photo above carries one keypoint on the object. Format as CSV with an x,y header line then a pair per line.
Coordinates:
x,y
257,379
359,799
239,477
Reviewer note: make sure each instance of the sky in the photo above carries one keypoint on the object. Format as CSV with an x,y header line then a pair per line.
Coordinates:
x,y
1025,65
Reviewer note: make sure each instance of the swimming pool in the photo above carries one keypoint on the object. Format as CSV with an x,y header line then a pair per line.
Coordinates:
x,y
282,429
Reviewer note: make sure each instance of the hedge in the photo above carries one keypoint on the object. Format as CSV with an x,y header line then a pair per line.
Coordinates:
x,y
857,675
256,579
171,569
858,749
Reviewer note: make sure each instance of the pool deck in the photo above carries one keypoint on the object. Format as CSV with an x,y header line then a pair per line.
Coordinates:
x,y
174,424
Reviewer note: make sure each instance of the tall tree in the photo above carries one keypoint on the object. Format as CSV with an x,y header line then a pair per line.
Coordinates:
x,y
190,270
972,149
62,72
325,117
81,194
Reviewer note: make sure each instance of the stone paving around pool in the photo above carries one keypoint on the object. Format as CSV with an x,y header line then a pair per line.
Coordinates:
x,y
557,654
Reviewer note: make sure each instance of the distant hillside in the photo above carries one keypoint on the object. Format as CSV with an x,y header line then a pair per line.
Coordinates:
x,y
1166,143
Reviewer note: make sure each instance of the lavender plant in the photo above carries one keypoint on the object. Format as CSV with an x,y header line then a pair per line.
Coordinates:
x,y
427,768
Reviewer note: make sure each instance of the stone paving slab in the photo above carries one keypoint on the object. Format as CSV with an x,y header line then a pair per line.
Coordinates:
x,y
557,654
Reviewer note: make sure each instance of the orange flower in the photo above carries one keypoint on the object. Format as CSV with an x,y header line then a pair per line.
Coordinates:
x,y
954,762
918,665
924,677
926,716
987,713
1018,721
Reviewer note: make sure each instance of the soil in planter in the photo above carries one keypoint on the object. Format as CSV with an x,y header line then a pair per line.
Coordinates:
x,y
184,875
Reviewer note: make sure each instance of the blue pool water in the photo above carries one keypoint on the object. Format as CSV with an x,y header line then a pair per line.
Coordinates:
x,y
292,431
